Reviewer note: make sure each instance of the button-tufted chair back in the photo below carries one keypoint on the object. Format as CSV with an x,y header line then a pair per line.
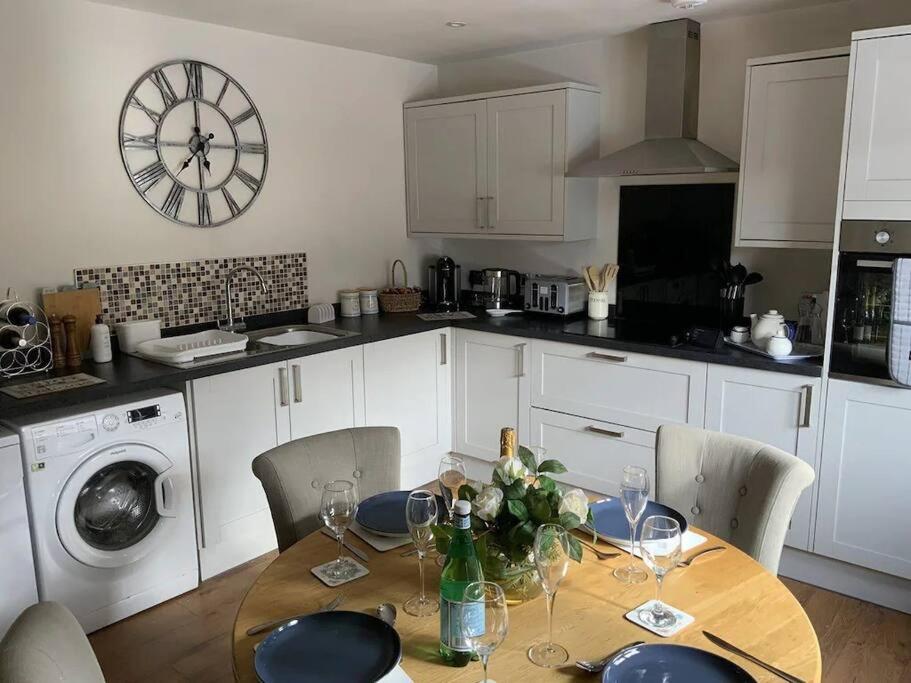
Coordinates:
x,y
293,474
741,490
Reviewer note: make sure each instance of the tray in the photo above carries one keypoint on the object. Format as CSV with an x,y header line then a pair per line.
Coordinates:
x,y
800,351
188,347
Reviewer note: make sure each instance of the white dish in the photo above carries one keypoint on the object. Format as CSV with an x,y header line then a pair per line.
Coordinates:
x,y
500,312
188,347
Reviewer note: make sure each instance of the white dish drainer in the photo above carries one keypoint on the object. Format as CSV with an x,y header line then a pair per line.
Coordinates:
x,y
36,355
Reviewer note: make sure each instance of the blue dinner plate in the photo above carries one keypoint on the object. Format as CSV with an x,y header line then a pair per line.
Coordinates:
x,y
329,647
657,663
384,513
610,519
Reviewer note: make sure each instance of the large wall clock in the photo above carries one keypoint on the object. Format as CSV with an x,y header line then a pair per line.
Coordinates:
x,y
193,143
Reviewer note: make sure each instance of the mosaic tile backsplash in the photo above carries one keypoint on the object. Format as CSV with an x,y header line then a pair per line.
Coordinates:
x,y
191,292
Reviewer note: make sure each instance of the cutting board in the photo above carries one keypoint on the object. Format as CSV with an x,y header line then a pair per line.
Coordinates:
x,y
84,304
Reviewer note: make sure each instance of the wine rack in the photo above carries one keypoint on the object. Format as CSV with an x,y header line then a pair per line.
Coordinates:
x,y
35,355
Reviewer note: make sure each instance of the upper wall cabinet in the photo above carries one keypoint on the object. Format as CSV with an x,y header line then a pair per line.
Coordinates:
x,y
493,165
792,130
878,168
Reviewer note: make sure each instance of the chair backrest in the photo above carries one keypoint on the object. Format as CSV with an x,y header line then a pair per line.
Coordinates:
x,y
741,490
293,474
47,645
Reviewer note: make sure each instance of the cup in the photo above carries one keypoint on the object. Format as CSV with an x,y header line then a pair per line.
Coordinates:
x,y
597,305
740,334
350,303
370,305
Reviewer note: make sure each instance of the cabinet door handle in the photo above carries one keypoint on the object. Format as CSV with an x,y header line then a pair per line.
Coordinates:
x,y
491,213
803,419
283,386
606,356
604,432
521,360
443,359
481,206
296,376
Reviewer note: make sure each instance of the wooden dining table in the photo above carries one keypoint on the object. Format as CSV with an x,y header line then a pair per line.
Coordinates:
x,y
728,593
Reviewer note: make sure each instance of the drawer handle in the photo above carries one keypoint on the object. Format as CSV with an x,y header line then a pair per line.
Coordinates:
x,y
443,358
296,373
604,432
481,204
521,349
806,406
606,356
283,387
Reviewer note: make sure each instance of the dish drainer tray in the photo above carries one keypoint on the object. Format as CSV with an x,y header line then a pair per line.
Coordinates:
x,y
188,347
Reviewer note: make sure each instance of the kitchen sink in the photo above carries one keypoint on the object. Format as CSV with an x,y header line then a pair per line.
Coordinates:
x,y
296,335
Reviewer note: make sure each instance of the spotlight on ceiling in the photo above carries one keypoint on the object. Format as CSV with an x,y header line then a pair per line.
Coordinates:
x,y
462,24
687,4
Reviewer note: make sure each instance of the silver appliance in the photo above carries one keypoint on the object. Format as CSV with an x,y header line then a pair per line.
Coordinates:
x,y
496,288
671,113
555,294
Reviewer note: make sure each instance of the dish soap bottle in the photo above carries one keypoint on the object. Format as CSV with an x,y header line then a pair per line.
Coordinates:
x,y
101,341
461,568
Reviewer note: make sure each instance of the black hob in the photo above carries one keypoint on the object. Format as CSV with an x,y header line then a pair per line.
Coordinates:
x,y
646,332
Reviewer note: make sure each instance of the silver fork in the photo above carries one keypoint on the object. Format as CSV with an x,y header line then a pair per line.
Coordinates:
x,y
597,666
600,554
271,625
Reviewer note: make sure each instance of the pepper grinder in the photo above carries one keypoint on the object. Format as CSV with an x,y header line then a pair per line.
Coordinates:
x,y
57,341
73,356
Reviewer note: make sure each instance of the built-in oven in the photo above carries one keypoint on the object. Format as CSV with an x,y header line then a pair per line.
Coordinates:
x,y
863,297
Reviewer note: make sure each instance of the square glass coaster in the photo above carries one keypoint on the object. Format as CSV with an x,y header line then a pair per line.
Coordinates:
x,y
683,619
320,572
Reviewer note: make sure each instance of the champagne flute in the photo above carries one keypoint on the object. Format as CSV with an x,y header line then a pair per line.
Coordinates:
x,y
634,496
484,621
420,514
337,508
661,545
451,477
551,551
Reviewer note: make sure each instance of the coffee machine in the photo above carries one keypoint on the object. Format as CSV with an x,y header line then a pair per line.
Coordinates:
x,y
445,279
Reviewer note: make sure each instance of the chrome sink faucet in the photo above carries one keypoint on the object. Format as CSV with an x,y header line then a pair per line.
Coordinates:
x,y
240,325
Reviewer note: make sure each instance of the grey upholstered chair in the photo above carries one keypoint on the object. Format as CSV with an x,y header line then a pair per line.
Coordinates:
x,y
293,474
47,645
741,490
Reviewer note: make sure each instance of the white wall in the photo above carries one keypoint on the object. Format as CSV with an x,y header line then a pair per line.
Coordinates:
x,y
617,64
335,186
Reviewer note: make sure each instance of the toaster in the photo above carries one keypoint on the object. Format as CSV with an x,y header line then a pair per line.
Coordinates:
x,y
555,294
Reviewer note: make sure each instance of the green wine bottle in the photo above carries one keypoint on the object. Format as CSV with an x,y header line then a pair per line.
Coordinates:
x,y
461,568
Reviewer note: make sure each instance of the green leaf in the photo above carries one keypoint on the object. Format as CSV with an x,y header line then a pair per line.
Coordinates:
x,y
545,483
538,507
480,547
466,492
516,490
527,458
553,466
442,535
517,509
569,521
497,480
575,548
478,524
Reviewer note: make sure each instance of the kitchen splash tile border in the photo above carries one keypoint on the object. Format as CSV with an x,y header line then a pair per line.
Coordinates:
x,y
192,292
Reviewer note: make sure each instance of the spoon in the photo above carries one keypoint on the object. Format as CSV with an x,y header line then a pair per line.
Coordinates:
x,y
387,613
600,554
687,562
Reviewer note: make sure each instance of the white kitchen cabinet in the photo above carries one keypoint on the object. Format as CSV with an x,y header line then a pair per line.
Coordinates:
x,y
865,477
789,161
494,165
593,452
327,391
631,389
776,408
878,166
491,391
407,384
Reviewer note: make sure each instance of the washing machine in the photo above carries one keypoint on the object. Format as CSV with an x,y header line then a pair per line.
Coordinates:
x,y
111,505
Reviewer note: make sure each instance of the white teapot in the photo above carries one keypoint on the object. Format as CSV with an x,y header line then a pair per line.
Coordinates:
x,y
764,326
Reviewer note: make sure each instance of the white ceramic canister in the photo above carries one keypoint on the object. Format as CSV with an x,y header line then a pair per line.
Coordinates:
x,y
370,304
350,303
597,305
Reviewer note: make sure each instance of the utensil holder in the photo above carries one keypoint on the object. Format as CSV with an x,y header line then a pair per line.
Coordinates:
x,y
597,305
731,312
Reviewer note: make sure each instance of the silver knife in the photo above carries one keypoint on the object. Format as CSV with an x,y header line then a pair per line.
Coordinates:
x,y
746,655
357,552
271,625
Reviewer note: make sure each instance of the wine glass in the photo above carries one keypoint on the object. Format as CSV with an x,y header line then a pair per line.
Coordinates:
x,y
420,514
451,477
661,549
484,621
337,508
634,496
551,551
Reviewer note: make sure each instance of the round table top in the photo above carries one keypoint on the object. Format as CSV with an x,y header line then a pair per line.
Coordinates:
x,y
727,592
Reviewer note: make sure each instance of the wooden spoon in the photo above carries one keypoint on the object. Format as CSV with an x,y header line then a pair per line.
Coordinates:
x,y
588,279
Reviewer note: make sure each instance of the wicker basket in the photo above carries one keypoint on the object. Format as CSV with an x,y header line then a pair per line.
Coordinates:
x,y
400,299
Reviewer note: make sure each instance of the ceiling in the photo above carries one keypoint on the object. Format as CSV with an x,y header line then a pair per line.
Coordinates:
x,y
415,29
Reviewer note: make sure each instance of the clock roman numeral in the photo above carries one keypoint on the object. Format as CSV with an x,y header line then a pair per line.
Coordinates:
x,y
160,81
203,209
136,103
240,118
229,200
252,147
147,177
194,79
173,201
149,141
247,179
221,95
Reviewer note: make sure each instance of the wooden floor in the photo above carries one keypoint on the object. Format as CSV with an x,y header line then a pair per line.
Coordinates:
x,y
189,638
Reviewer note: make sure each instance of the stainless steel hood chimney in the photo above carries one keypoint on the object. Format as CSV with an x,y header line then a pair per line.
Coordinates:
x,y
671,113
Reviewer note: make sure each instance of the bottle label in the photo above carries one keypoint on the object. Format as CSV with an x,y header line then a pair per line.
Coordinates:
x,y
461,522
452,615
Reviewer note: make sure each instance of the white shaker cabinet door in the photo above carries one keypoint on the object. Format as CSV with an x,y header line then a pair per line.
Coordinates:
x,y
792,147
491,391
778,409
526,149
865,478
327,391
878,171
407,384
446,167
236,416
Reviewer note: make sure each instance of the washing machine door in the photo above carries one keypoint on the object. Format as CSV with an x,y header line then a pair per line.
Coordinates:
x,y
117,505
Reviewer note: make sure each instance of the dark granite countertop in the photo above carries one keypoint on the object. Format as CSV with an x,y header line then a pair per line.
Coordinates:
x,y
127,374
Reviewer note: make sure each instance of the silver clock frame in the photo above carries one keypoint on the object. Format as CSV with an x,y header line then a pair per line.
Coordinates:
x,y
158,145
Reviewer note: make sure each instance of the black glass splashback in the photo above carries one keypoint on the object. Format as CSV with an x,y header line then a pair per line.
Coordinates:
x,y
672,238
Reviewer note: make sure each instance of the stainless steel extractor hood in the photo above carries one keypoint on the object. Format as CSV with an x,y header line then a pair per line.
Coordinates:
x,y
671,113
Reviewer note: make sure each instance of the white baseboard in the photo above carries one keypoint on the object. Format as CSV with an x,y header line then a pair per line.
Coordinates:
x,y
848,579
